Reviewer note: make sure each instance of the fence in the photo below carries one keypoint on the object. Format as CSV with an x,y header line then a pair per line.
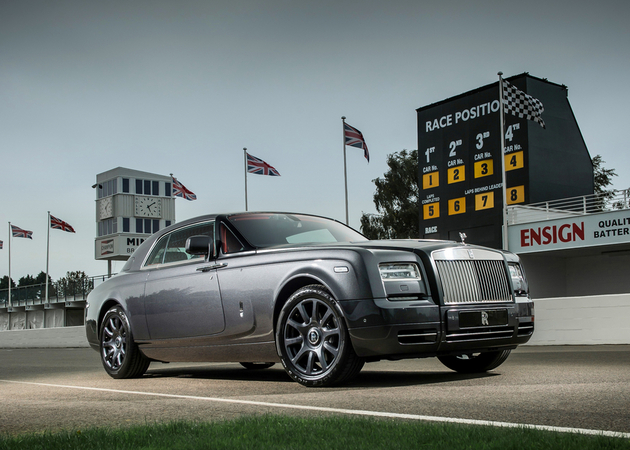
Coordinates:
x,y
567,207
59,292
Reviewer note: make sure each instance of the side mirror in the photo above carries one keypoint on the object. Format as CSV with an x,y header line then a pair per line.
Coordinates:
x,y
200,245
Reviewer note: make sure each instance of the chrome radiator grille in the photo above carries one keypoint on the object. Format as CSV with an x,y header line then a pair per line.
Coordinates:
x,y
473,281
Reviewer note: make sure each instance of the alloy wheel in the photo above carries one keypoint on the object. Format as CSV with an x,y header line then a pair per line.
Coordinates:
x,y
114,342
312,337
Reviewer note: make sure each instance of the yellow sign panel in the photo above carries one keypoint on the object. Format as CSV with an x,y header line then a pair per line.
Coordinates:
x,y
431,211
515,194
484,168
514,161
430,180
456,174
484,201
457,206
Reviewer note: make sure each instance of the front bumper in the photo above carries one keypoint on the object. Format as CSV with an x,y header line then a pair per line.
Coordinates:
x,y
382,329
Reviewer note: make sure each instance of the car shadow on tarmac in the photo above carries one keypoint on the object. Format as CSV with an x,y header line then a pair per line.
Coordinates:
x,y
365,380
376,379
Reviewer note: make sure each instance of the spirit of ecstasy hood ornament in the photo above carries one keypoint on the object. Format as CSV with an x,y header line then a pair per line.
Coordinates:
x,y
463,237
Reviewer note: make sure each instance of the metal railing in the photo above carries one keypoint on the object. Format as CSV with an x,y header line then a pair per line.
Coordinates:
x,y
58,292
569,207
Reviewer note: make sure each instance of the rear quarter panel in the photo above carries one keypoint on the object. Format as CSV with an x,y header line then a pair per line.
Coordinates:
x,y
125,289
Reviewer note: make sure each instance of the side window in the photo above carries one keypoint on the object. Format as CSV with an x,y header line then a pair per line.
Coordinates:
x,y
172,247
157,255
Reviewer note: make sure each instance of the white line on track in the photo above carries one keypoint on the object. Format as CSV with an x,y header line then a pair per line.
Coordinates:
x,y
356,412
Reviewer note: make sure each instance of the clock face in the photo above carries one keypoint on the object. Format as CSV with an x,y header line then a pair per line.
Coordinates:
x,y
148,207
106,208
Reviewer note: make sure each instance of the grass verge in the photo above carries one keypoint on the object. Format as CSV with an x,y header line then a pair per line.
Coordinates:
x,y
282,432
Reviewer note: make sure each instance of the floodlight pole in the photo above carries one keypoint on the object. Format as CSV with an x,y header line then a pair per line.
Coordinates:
x,y
47,255
503,178
345,170
10,235
245,162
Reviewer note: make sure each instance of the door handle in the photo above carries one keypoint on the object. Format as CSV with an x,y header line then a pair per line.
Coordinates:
x,y
212,267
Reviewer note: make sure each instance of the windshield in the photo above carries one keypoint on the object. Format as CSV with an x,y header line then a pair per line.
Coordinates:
x,y
269,230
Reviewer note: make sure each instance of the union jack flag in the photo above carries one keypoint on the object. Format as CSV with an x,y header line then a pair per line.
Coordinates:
x,y
260,167
354,138
18,232
179,190
59,224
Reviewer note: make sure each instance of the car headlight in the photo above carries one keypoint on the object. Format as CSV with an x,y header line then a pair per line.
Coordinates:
x,y
399,271
518,279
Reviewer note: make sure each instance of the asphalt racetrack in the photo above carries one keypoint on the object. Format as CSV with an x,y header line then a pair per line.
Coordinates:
x,y
574,387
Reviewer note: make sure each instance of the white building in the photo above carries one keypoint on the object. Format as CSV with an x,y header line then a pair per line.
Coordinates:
x,y
576,253
130,205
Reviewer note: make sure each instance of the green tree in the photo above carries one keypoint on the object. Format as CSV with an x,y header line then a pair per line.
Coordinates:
x,y
602,177
396,200
4,282
26,280
372,227
41,278
74,283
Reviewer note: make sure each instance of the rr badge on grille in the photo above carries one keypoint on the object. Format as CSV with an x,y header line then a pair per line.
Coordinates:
x,y
484,318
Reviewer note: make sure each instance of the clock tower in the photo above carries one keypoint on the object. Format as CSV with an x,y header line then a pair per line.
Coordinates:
x,y
130,205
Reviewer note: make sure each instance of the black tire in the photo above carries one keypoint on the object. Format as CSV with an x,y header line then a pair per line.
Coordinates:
x,y
120,355
256,366
475,362
312,339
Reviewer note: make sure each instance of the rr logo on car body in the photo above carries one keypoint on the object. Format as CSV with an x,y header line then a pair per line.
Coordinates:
x,y
484,318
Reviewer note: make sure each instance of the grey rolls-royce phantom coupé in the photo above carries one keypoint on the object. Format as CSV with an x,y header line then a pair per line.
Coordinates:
x,y
309,292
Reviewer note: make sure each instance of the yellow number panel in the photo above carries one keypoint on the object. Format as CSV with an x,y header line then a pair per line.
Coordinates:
x,y
456,174
431,211
515,194
430,180
514,161
484,201
484,168
457,206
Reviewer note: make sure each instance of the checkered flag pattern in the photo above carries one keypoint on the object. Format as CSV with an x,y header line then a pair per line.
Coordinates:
x,y
522,105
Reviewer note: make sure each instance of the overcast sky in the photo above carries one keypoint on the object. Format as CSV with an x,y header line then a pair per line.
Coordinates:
x,y
182,86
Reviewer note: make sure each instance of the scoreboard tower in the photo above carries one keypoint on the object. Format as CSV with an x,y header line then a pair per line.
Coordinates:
x,y
460,160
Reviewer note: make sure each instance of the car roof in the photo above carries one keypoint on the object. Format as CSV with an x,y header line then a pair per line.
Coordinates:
x,y
135,261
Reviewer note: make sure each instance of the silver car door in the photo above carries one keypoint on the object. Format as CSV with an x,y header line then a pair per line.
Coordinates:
x,y
182,297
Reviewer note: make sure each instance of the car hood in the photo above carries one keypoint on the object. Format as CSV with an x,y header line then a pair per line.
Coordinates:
x,y
411,245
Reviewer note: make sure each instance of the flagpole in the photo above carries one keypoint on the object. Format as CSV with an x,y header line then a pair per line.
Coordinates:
x,y
47,255
503,179
10,234
245,162
345,171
